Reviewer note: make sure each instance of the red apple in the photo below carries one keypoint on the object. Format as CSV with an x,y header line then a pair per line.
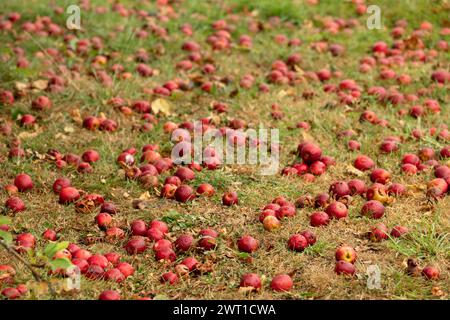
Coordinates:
x,y
205,189
23,182
271,223
281,282
319,218
398,231
337,210
60,183
247,244
138,228
250,280
162,226
345,268
378,233
373,209
346,253
109,295
430,272
230,198
184,242
136,245
169,277
103,219
126,269
309,236
184,193
15,204
68,195
90,156
50,234
114,275
297,242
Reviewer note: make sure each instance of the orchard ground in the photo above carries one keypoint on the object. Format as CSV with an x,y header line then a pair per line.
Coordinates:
x,y
84,94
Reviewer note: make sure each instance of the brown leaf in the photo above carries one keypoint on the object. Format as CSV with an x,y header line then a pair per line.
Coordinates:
x,y
26,134
76,116
352,170
21,86
40,84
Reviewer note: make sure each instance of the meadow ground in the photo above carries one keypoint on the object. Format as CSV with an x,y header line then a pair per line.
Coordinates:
x,y
152,34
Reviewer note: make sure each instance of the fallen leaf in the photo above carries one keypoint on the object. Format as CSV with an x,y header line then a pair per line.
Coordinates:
x,y
145,196
40,84
245,290
27,134
161,106
69,129
76,116
20,86
352,170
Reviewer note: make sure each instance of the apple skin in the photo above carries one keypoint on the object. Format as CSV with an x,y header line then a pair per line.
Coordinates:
x,y
430,272
90,156
346,253
60,183
68,195
309,152
363,163
112,258
126,269
184,242
154,234
281,283
297,242
162,244
373,209
138,228
337,210
380,176
379,233
309,236
319,218
247,244
170,278
205,189
161,225
398,231
345,268
114,275
184,193
82,254
99,260
50,235
357,187
103,220
191,263
15,204
251,280
230,198
23,182
271,223
109,295
11,293
136,245
165,254
339,189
